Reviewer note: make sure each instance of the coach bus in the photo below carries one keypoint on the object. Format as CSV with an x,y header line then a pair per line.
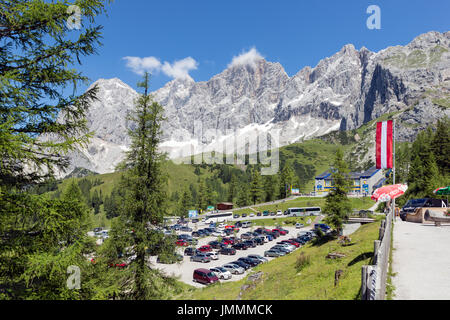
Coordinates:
x,y
306,211
219,217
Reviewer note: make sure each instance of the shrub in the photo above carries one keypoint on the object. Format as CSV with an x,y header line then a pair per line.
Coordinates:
x,y
302,261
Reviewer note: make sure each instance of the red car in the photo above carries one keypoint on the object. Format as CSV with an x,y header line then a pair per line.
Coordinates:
x,y
205,248
227,241
291,242
282,232
181,243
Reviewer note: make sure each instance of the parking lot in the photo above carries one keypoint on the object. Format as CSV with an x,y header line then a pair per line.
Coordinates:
x,y
184,269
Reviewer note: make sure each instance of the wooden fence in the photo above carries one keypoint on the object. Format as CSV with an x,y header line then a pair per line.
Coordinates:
x,y
374,277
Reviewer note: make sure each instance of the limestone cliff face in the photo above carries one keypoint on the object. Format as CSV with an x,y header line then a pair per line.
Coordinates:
x,y
342,92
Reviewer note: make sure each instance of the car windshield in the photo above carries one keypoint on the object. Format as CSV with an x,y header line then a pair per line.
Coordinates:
x,y
211,274
415,202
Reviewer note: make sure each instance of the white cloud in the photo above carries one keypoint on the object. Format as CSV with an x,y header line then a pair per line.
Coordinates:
x,y
179,69
142,65
246,58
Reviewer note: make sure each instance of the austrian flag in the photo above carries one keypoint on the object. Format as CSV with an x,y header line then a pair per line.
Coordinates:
x,y
384,150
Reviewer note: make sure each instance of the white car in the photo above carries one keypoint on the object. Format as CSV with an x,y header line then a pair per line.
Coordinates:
x,y
234,269
220,226
279,213
252,214
221,273
299,225
213,255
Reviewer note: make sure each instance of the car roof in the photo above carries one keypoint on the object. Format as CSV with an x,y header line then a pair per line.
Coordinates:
x,y
203,270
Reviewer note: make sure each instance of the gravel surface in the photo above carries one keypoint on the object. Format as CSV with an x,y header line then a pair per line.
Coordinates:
x,y
421,261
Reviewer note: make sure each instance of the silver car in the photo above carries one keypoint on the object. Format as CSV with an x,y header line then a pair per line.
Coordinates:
x,y
221,273
234,268
201,257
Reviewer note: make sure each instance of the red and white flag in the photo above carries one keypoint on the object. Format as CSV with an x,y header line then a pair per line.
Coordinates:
x,y
384,142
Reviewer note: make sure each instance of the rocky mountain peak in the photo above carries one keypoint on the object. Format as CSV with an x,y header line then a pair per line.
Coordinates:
x,y
343,91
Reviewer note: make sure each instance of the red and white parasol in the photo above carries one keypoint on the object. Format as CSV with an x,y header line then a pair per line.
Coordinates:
x,y
390,192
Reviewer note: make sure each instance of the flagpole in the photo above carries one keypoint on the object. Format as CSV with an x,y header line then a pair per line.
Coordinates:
x,y
393,162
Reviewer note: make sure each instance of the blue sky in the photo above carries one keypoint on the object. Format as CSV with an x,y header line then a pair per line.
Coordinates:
x,y
205,35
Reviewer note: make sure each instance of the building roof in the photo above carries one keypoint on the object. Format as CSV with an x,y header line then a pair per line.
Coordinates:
x,y
353,175
370,172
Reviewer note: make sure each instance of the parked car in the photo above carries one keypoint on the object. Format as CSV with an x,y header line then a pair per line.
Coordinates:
x,y
252,214
190,251
282,232
272,213
258,214
204,276
322,226
221,273
228,251
201,257
181,243
250,243
257,257
234,268
213,255
244,215
251,262
205,248
294,243
280,247
265,213
246,235
274,253
236,216
259,240
186,229
214,244
240,246
279,213
413,204
228,241
242,264
299,225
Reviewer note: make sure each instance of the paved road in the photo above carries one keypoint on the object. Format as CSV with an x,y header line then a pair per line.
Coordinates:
x,y
421,261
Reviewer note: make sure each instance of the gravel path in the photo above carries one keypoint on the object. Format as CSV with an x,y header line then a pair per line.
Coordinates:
x,y
421,261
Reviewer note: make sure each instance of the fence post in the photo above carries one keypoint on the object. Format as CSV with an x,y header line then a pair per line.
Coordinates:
x,y
364,276
376,248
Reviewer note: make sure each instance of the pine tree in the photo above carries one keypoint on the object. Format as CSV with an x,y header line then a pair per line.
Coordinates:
x,y
440,145
243,197
286,179
202,200
337,206
256,187
144,202
41,236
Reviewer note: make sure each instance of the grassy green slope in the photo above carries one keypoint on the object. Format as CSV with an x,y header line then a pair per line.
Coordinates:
x,y
283,281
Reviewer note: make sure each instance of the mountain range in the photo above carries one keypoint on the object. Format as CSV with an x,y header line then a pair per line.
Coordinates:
x,y
342,92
